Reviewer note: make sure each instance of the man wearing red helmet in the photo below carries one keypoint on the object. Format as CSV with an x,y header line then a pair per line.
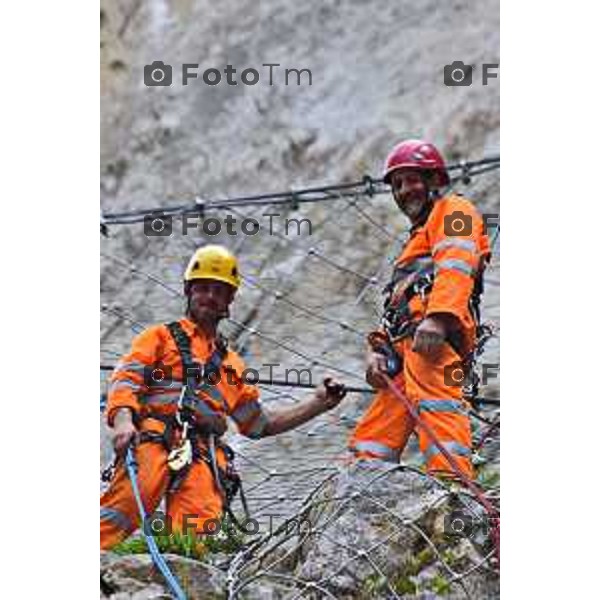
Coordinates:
x,y
431,316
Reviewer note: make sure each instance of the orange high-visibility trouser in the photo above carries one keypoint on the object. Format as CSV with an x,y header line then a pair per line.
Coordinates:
x,y
384,429
191,505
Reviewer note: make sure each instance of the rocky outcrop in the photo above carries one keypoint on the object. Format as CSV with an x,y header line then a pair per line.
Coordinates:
x,y
373,530
134,577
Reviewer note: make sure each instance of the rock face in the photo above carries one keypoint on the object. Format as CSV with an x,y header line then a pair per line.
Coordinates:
x,y
372,530
135,577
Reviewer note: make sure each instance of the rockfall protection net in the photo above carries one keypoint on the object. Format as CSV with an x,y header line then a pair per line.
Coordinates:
x,y
307,305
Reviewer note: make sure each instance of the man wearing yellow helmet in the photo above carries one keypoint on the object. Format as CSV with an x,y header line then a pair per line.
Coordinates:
x,y
169,397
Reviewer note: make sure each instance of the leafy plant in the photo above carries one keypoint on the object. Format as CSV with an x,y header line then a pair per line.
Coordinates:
x,y
228,540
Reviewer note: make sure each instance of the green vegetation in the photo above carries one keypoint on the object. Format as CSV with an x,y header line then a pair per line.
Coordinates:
x,y
228,540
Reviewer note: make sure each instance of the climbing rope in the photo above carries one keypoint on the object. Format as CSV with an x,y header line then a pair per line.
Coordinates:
x,y
132,470
493,514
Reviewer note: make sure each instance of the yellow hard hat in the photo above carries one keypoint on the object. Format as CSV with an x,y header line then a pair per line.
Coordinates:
x,y
213,262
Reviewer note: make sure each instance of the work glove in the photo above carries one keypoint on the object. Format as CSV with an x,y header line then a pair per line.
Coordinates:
x,y
124,432
330,393
376,369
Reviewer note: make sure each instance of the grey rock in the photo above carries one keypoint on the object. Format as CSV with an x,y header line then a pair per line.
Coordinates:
x,y
376,530
135,577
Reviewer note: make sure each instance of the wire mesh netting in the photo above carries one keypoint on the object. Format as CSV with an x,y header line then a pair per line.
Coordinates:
x,y
327,527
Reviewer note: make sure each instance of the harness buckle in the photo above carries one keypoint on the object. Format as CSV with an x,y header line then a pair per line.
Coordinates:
x,y
182,455
422,286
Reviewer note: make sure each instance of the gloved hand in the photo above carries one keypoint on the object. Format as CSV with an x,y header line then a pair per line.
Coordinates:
x,y
330,393
123,432
376,368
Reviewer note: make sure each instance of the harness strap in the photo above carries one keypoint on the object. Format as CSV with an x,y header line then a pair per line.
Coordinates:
x,y
164,437
190,366
397,319
227,481
194,372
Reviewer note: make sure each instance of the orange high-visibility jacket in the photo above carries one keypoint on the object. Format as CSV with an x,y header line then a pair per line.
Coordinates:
x,y
132,386
453,261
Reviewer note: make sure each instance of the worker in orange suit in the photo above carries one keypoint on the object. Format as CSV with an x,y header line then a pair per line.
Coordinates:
x,y
175,423
430,320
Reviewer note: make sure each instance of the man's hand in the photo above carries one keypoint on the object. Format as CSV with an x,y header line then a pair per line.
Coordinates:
x,y
430,335
330,393
123,432
376,369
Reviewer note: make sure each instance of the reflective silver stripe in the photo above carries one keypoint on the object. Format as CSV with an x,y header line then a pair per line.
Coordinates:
x,y
121,520
124,383
174,388
446,406
455,264
452,447
134,366
376,448
468,245
256,430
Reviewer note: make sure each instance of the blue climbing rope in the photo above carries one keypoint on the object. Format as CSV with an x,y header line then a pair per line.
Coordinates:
x,y
132,469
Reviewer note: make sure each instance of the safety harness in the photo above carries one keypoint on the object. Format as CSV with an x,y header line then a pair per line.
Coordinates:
x,y
227,480
398,322
193,433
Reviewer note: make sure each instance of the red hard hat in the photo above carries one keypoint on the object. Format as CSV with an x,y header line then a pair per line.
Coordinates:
x,y
416,154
